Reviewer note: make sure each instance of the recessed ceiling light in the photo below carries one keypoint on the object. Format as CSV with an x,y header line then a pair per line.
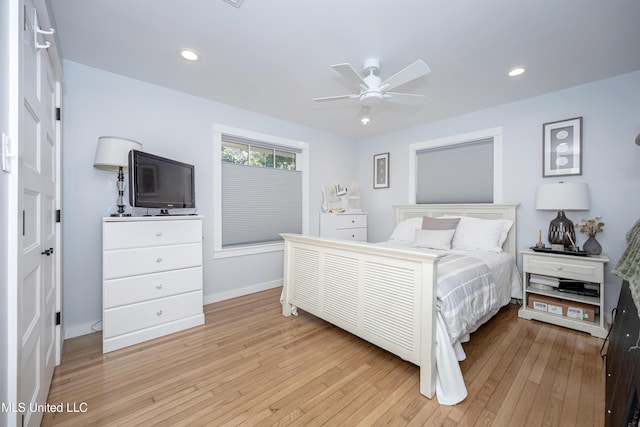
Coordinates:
x,y
516,71
189,54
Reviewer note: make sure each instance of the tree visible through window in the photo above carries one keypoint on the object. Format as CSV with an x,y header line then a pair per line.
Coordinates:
x,y
256,155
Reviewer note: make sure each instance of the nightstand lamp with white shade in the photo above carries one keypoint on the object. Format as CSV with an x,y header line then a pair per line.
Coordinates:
x,y
112,153
562,196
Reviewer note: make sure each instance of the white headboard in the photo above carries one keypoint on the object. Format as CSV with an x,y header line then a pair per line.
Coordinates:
x,y
477,210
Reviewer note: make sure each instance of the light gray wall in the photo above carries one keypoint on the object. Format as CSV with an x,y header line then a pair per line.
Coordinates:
x,y
169,124
611,161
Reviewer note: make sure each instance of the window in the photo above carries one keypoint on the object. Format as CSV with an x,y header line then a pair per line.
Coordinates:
x,y
464,168
253,153
260,185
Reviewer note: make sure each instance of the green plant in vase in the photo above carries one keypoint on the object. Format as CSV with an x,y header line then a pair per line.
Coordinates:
x,y
591,227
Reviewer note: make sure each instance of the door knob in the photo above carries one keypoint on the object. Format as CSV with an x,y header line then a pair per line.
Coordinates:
x,y
47,252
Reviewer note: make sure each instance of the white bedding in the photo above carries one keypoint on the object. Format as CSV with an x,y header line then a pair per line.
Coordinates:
x,y
472,286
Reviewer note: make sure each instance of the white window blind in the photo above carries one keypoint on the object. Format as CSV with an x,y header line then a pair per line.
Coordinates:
x,y
460,173
259,203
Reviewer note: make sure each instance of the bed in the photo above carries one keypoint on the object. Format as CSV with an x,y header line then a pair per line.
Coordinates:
x,y
386,293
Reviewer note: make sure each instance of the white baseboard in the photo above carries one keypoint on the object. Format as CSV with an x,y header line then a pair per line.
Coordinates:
x,y
96,325
221,296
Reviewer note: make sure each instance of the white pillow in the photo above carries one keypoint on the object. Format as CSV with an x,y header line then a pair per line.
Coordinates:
x,y
483,234
405,231
433,239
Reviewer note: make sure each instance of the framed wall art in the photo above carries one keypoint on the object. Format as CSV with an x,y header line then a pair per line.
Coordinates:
x,y
381,170
562,148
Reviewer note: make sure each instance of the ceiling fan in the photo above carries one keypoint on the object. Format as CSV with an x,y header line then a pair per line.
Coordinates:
x,y
372,90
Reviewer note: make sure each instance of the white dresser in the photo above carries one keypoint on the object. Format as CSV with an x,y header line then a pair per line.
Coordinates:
x,y
151,278
346,226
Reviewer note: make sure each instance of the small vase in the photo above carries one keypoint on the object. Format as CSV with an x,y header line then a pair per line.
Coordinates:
x,y
592,246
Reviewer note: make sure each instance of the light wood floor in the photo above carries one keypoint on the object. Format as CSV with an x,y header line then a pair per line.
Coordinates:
x,y
248,365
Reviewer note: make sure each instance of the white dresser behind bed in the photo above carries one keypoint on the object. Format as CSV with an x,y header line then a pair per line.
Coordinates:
x,y
345,225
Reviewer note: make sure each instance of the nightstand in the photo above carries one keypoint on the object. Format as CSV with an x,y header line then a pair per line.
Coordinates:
x,y
547,304
345,226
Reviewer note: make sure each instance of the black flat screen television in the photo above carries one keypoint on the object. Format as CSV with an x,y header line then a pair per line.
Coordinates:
x,y
158,182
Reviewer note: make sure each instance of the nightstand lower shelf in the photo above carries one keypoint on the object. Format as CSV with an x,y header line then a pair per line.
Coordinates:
x,y
592,328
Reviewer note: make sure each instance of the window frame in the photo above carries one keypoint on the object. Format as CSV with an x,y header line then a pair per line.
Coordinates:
x,y
494,133
302,165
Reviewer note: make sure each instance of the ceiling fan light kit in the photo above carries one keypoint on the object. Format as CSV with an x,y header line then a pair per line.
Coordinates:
x,y
363,114
374,91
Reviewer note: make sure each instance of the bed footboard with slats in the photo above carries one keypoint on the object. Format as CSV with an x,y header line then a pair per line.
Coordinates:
x,y
385,296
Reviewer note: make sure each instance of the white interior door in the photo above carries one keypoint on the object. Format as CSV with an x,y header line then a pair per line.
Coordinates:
x,y
37,168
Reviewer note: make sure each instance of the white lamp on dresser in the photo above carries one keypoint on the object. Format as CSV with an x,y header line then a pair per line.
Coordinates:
x,y
112,153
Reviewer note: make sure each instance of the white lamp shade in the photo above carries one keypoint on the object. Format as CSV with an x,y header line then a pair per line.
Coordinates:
x,y
569,196
113,152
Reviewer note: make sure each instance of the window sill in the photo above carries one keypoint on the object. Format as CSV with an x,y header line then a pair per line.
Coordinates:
x,y
247,250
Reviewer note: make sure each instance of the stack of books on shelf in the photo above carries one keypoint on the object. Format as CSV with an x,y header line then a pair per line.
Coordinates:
x,y
543,282
563,285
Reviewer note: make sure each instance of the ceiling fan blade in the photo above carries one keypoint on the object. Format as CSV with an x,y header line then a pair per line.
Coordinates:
x,y
349,73
404,98
336,98
409,73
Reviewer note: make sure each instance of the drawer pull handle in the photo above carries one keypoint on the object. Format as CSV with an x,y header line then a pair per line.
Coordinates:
x,y
159,234
559,267
159,286
158,259
159,313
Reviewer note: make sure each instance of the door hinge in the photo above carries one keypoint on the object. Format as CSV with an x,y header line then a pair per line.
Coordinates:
x,y
24,18
57,318
58,113
58,215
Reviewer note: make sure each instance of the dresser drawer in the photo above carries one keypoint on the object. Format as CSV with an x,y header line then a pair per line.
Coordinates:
x,y
134,317
349,221
130,262
135,234
355,234
129,290
570,268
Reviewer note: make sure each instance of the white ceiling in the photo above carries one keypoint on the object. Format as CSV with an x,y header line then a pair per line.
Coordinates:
x,y
273,57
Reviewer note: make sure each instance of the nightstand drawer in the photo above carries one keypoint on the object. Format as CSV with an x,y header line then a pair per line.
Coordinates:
x,y
350,221
355,234
571,268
